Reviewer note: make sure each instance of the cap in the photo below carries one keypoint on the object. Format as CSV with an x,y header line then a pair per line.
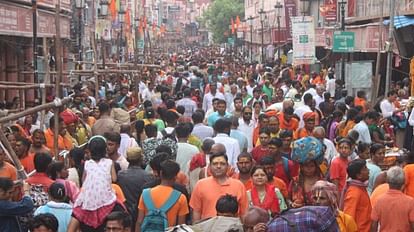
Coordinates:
x,y
134,153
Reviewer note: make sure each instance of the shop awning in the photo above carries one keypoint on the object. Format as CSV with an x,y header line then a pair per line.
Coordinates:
x,y
401,21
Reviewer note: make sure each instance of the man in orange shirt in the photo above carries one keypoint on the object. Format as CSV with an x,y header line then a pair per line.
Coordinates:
x,y
360,100
395,210
22,151
309,118
208,190
409,180
160,194
355,201
244,164
63,142
6,169
287,120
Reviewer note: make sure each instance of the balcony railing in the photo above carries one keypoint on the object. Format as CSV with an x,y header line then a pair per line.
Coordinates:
x,y
373,8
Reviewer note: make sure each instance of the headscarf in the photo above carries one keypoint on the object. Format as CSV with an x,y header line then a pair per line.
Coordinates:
x,y
309,115
331,191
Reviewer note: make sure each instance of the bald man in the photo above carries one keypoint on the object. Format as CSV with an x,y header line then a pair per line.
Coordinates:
x,y
330,150
255,219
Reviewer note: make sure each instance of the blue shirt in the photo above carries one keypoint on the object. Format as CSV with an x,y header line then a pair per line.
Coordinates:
x,y
62,212
241,138
211,120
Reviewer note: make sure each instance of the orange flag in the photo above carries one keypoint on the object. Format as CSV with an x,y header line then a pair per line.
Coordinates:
x,y
232,26
237,22
112,8
145,22
128,20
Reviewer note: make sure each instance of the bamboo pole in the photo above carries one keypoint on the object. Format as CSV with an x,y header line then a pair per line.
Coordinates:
x,y
23,87
46,81
57,80
9,150
95,66
35,109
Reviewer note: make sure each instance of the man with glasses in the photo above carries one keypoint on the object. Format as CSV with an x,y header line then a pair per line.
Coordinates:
x,y
247,125
208,190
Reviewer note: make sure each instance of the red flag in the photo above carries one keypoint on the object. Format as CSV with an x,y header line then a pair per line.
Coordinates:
x,y
237,22
112,8
232,26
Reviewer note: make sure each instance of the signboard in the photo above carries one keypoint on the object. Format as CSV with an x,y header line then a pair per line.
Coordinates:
x,y
290,11
343,41
140,44
331,10
17,21
230,41
303,38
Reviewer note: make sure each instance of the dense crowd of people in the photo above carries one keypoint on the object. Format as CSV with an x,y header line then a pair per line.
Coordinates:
x,y
208,144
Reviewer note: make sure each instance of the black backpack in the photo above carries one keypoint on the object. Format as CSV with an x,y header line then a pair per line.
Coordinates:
x,y
166,135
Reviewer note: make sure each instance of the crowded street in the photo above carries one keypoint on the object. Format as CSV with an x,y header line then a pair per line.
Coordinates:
x,y
206,116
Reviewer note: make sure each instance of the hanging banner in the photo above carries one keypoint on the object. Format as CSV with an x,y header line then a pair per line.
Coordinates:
x,y
330,8
290,11
303,39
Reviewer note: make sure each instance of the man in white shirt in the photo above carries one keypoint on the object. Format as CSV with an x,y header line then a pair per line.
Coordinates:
x,y
149,92
126,140
189,104
208,98
387,105
319,97
362,127
330,151
222,128
247,125
330,84
300,111
185,151
113,140
200,130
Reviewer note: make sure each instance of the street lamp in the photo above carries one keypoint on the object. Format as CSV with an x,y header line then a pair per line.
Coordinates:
x,y
261,13
121,20
104,7
342,3
80,4
250,18
278,8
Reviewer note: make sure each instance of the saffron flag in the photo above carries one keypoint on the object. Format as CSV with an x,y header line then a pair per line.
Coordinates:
x,y
237,22
112,9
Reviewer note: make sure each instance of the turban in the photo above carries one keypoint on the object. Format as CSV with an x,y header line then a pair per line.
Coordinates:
x,y
69,117
309,115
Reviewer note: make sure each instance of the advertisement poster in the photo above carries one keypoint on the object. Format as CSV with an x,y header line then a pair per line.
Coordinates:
x,y
303,39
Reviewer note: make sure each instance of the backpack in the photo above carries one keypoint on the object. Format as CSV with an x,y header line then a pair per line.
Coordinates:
x,y
38,195
305,219
156,218
166,135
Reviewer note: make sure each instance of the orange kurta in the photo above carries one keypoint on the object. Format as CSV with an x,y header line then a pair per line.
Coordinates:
x,y
361,102
358,206
409,180
291,125
301,133
63,143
